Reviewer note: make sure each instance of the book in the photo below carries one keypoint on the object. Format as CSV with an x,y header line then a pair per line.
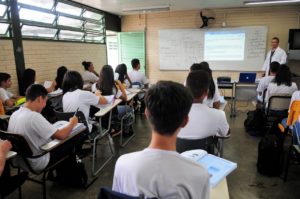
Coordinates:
x,y
218,168
62,124
55,93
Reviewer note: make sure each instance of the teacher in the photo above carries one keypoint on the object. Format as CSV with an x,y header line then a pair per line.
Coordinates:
x,y
275,54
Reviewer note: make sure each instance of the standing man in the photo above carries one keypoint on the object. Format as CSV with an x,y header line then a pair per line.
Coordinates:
x,y
275,54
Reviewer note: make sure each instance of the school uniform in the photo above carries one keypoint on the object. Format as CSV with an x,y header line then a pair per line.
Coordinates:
x,y
215,98
204,122
5,95
89,77
161,174
282,89
138,76
263,85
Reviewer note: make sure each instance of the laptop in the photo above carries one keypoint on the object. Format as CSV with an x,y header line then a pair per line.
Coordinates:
x,y
247,77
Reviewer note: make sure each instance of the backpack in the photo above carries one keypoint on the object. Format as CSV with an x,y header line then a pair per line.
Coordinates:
x,y
255,122
270,151
70,171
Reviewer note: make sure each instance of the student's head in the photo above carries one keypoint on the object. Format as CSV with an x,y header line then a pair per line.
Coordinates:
x,y
106,80
195,66
198,82
167,107
275,42
28,78
135,63
274,66
283,76
61,71
88,65
72,81
5,81
122,71
37,94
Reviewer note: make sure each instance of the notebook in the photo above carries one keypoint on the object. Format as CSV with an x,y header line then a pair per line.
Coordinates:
x,y
247,77
217,167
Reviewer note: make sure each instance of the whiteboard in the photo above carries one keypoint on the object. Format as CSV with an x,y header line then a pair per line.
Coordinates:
x,y
180,48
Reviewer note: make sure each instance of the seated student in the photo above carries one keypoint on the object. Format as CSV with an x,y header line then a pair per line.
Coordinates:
x,y
61,71
159,171
137,76
282,83
89,76
121,69
265,81
7,98
28,121
74,97
203,121
8,183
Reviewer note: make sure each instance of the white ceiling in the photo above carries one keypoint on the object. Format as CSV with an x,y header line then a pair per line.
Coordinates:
x,y
117,6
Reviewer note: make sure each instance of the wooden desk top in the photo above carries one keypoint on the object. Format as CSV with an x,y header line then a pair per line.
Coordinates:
x,y
10,155
130,96
104,109
220,191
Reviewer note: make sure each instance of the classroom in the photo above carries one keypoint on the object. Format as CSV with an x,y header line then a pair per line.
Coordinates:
x,y
110,116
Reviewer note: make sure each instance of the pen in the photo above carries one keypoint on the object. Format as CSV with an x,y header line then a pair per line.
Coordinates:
x,y
76,112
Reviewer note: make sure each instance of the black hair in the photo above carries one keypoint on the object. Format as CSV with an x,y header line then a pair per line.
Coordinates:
x,y
168,104
61,71
283,76
274,66
195,66
198,82
134,63
86,64
122,71
106,80
276,38
34,91
27,80
72,81
4,77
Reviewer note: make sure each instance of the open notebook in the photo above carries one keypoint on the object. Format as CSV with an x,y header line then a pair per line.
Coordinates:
x,y
217,167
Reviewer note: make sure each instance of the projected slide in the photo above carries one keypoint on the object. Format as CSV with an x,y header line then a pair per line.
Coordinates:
x,y
224,45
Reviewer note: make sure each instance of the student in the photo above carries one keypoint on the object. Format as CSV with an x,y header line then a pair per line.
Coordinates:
x,y
89,76
159,171
5,147
265,81
122,71
7,98
203,121
135,75
282,83
28,121
74,97
61,71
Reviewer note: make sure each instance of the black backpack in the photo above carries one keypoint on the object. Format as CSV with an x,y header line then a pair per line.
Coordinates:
x,y
270,151
255,122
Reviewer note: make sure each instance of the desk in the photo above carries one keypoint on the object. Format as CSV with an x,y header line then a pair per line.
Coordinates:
x,y
104,109
220,191
11,154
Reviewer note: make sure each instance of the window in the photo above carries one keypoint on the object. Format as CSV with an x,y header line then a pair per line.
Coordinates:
x,y
34,31
47,4
94,38
66,21
70,35
36,16
93,26
3,9
68,9
92,15
3,28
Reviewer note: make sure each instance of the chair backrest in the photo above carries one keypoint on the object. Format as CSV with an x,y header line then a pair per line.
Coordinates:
x,y
19,143
106,193
67,115
279,102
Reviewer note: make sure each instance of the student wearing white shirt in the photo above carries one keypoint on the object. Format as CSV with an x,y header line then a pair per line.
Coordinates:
x,y
121,69
74,97
137,76
159,171
7,98
203,121
28,121
265,81
89,76
282,83
275,54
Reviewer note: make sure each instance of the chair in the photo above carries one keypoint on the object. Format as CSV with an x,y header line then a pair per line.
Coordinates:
x,y
107,193
278,106
24,151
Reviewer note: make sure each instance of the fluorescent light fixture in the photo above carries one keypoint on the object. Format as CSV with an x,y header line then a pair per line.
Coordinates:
x,y
148,9
258,2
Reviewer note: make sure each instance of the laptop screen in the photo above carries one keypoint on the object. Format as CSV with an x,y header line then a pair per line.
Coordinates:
x,y
247,77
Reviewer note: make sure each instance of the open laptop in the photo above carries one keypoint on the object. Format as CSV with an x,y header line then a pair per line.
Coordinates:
x,y
247,77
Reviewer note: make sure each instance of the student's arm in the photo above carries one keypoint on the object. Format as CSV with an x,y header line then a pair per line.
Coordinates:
x,y
65,132
129,80
9,102
120,86
5,146
217,104
102,99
